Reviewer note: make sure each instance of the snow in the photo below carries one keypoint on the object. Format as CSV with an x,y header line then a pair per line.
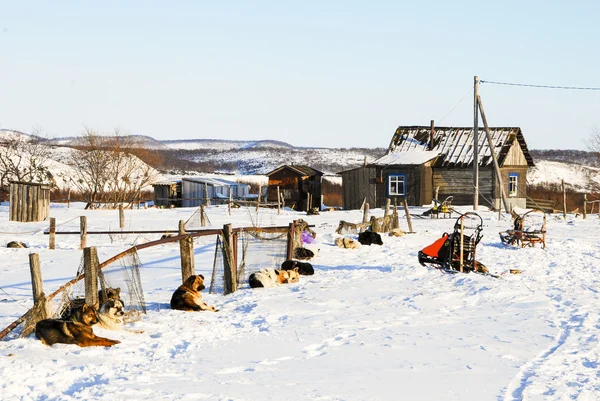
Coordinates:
x,y
414,157
370,324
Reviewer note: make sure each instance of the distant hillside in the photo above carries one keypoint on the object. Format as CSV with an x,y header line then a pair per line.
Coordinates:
x,y
567,155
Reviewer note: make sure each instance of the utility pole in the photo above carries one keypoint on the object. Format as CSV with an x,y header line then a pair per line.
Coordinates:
x,y
476,144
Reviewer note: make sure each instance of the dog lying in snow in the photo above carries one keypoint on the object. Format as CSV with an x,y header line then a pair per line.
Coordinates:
x,y
369,238
76,331
304,268
268,278
111,316
188,297
347,242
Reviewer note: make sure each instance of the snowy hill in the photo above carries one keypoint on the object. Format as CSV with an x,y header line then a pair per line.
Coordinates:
x,y
580,177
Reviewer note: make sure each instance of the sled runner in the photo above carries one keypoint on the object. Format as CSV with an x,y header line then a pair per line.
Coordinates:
x,y
456,251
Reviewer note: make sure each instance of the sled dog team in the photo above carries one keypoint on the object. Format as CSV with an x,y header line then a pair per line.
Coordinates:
x,y
75,324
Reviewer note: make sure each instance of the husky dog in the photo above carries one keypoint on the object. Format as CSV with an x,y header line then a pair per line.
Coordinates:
x,y
76,331
188,297
268,278
347,242
304,268
111,314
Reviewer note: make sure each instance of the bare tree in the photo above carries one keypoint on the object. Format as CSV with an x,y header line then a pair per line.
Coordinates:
x,y
24,158
106,171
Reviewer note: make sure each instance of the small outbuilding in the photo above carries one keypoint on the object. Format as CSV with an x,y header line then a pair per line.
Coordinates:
x,y
29,201
300,186
167,194
420,159
196,191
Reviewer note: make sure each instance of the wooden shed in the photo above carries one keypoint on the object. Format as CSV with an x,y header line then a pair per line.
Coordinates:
x,y
300,186
420,160
167,194
29,201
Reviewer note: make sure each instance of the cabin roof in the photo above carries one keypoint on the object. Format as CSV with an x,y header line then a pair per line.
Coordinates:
x,y
451,146
297,168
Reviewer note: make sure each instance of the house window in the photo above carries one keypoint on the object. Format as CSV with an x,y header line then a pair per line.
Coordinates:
x,y
397,184
513,187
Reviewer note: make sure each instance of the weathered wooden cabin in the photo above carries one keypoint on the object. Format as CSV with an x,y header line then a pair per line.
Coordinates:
x,y
298,184
167,194
418,160
29,201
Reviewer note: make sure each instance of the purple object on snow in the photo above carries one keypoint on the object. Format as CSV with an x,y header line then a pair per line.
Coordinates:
x,y
307,237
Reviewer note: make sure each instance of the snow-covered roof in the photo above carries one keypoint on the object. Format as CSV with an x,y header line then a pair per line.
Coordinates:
x,y
454,146
417,156
213,181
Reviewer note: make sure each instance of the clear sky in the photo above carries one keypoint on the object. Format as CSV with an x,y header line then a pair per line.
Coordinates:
x,y
311,73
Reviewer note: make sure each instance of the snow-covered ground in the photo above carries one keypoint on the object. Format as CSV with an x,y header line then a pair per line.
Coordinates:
x,y
371,324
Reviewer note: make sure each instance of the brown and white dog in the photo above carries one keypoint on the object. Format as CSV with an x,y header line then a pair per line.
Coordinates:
x,y
293,275
188,298
347,242
76,331
268,278
112,316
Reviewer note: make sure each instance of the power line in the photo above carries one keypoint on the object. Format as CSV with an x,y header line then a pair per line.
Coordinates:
x,y
455,106
542,86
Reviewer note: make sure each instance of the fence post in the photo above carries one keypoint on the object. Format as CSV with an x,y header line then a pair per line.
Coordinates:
x,y
278,201
408,219
290,240
40,306
462,238
186,251
82,232
388,201
52,232
258,198
564,199
202,216
181,227
206,198
230,200
90,270
584,206
366,213
122,217
395,221
230,270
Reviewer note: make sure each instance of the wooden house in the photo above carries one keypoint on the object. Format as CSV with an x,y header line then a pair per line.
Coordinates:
x,y
420,160
300,186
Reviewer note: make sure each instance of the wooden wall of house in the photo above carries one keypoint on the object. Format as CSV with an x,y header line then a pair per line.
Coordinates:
x,y
521,183
426,184
413,185
166,195
458,183
357,185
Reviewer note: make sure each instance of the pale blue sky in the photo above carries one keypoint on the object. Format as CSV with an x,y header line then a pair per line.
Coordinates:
x,y
311,73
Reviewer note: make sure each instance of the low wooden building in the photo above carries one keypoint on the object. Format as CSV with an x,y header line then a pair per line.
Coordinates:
x,y
167,194
196,191
300,186
420,160
29,201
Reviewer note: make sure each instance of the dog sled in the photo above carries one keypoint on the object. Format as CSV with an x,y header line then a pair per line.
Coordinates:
x,y
444,208
528,229
456,252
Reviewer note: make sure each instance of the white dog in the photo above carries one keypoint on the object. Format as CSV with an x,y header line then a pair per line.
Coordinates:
x,y
268,278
